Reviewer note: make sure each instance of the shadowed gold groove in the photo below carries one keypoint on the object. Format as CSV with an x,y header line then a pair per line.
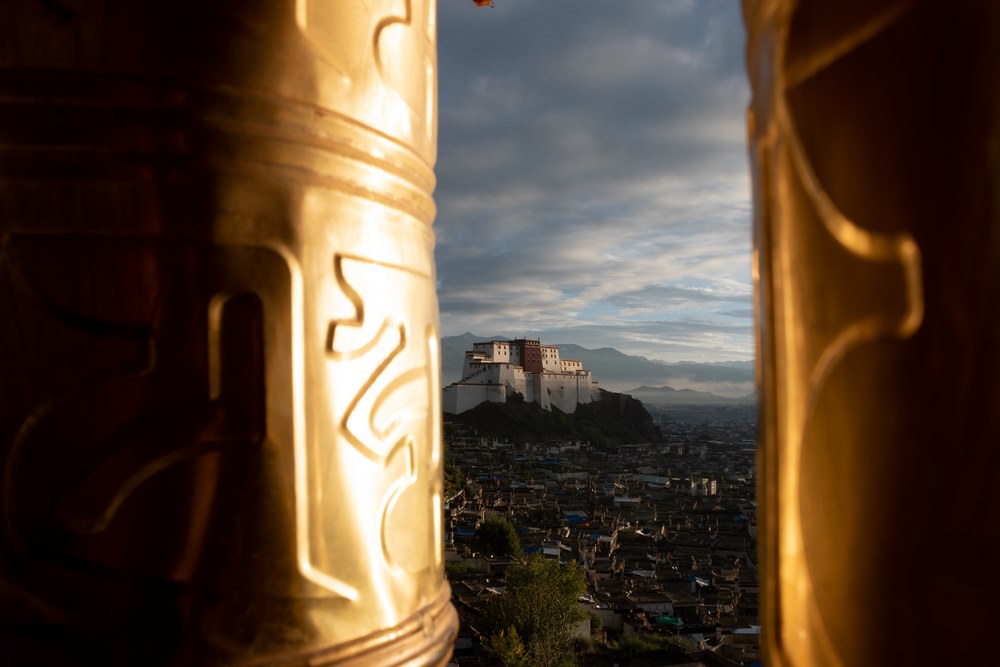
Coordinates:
x,y
809,370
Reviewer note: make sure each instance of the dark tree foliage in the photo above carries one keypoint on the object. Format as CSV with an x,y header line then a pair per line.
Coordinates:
x,y
454,480
497,537
619,416
538,607
613,419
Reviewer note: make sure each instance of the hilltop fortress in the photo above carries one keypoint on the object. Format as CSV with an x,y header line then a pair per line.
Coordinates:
x,y
495,369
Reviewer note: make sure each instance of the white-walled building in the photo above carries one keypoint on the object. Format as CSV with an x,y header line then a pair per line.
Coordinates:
x,y
493,370
703,487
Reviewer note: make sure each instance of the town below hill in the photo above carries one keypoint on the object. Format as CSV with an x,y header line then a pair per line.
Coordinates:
x,y
664,536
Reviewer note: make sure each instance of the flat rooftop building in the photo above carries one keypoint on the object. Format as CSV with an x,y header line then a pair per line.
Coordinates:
x,y
494,370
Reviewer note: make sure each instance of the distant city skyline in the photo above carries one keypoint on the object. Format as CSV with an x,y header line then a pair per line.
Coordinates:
x,y
593,184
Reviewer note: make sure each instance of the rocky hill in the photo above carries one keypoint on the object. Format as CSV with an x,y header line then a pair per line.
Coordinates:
x,y
614,419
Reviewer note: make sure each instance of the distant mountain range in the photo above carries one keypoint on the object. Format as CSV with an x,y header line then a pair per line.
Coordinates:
x,y
664,397
651,381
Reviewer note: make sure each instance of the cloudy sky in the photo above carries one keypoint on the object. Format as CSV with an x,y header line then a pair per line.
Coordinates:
x,y
593,184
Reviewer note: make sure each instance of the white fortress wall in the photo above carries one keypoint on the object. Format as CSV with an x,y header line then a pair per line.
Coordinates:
x,y
484,353
472,364
565,391
461,397
494,350
493,370
533,390
508,375
550,359
571,365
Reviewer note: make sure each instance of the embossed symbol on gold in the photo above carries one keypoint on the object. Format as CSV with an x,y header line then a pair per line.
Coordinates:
x,y
382,418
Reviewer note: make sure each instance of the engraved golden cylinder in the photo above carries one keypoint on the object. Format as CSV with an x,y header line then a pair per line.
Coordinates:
x,y
219,391
875,144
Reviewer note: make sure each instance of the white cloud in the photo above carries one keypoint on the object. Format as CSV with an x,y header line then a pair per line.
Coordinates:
x,y
592,175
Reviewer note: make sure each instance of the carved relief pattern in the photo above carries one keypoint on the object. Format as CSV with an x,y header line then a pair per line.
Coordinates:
x,y
817,322
133,434
134,355
380,355
393,61
283,479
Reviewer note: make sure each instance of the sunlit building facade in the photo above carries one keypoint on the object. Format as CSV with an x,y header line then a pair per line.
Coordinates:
x,y
497,369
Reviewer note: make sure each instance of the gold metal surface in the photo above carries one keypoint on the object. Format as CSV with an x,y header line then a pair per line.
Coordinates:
x,y
877,270
220,422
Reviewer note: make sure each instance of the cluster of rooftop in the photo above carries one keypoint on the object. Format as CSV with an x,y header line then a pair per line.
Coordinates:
x,y
666,533
493,370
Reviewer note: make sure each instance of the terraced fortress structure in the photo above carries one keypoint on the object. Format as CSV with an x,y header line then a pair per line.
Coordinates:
x,y
494,370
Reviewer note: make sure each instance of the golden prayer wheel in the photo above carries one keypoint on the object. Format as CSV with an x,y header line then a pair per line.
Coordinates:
x,y
875,143
219,376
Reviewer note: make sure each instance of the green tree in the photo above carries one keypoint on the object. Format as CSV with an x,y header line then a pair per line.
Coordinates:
x,y
497,537
506,645
539,602
454,480
645,642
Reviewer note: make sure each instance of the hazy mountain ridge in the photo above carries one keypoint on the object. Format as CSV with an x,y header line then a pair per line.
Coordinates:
x,y
668,396
728,381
